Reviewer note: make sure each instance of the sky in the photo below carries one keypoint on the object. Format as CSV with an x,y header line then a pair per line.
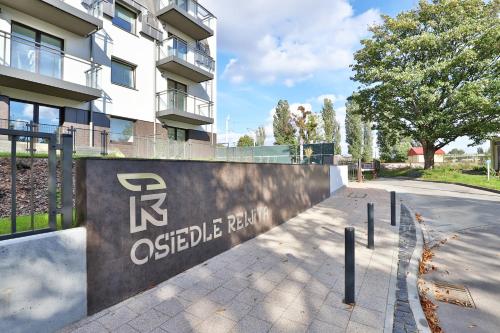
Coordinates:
x,y
296,50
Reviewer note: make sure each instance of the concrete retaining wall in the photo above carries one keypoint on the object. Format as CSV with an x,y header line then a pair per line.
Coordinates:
x,y
43,281
339,177
150,220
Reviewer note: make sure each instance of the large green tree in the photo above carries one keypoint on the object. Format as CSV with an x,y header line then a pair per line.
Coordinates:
x,y
367,142
354,130
331,126
432,73
283,130
246,141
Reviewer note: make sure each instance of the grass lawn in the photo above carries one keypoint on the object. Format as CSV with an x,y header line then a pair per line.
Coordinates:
x,y
23,223
446,174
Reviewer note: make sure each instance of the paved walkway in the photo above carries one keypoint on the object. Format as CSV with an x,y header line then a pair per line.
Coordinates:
x,y
468,220
290,279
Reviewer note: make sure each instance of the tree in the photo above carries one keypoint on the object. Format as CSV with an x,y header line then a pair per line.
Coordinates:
x,y
312,135
353,130
284,132
306,123
432,73
367,142
392,146
456,151
480,150
331,125
260,134
245,141
300,121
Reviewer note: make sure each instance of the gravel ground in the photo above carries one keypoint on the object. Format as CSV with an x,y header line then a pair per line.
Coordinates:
x,y
23,185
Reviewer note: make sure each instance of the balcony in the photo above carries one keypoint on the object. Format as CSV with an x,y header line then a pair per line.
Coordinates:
x,y
176,56
187,16
66,14
30,66
179,106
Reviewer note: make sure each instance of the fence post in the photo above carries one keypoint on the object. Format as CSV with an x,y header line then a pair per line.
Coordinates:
x,y
52,183
393,208
67,181
349,297
371,226
13,195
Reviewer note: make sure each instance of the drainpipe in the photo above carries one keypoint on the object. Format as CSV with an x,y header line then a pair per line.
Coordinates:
x,y
91,103
154,96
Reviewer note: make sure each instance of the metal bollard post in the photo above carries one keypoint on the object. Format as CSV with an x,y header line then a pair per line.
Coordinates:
x,y
371,226
349,266
393,208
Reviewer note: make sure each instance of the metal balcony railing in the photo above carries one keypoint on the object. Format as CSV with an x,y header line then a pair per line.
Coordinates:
x,y
193,8
28,55
179,101
176,47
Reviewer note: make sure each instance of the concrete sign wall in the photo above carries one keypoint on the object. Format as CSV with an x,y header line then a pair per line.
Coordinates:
x,y
150,220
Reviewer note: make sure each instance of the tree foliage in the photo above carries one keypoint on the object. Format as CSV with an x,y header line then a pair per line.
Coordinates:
x,y
306,123
331,125
456,151
432,73
354,130
284,132
367,142
260,134
392,146
245,141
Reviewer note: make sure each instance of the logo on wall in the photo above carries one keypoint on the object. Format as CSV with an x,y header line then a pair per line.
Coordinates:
x,y
157,198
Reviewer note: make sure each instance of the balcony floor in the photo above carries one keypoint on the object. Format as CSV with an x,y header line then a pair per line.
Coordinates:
x,y
184,117
24,80
185,69
58,13
181,20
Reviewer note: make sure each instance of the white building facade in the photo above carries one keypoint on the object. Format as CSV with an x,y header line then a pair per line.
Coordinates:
x,y
126,73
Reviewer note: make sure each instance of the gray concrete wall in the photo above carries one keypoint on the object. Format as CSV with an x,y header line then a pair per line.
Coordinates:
x,y
43,281
150,220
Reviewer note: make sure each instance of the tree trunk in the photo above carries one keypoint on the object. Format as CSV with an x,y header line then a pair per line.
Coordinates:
x,y
429,151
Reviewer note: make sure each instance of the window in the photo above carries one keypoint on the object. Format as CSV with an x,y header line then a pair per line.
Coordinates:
x,y
21,113
36,51
121,130
122,73
177,134
124,18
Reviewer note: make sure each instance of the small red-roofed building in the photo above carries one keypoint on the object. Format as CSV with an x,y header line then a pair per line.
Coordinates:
x,y
416,155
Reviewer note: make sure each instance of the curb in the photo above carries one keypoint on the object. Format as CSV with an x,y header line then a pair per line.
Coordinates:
x,y
412,278
443,182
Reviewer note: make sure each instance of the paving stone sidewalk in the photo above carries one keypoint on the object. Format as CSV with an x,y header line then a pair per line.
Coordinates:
x,y
290,279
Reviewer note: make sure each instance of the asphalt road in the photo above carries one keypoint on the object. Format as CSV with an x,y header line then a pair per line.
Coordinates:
x,y
469,221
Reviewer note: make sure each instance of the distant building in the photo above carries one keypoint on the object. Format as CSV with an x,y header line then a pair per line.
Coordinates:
x,y
416,155
495,153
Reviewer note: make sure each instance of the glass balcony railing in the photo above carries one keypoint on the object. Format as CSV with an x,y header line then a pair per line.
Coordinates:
x,y
180,49
45,59
194,9
91,7
173,100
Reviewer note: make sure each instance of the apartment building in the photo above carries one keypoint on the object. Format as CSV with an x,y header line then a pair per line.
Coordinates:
x,y
124,72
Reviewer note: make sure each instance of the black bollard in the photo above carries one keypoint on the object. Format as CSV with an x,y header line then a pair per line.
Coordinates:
x,y
371,226
393,208
349,266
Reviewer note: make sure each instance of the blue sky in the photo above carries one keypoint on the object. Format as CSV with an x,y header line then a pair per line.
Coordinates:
x,y
288,49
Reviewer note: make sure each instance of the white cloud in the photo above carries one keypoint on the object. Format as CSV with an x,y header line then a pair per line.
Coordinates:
x,y
287,42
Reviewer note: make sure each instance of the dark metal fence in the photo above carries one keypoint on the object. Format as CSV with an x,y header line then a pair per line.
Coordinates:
x,y
63,143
